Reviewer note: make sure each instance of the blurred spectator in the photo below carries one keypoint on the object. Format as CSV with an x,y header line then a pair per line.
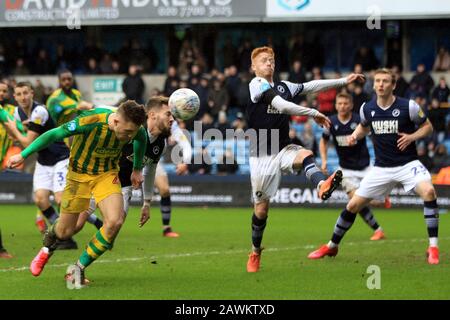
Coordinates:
x,y
62,58
296,48
244,55
401,85
222,123
186,58
43,64
326,100
218,98
133,85
203,92
394,53
204,167
106,66
124,56
423,157
92,67
232,83
194,75
207,122
297,74
422,81
172,81
243,94
368,84
239,124
293,137
441,92
366,58
442,60
443,177
359,97
138,57
20,68
229,52
228,165
92,50
308,140
3,61
441,158
437,118
40,92
115,66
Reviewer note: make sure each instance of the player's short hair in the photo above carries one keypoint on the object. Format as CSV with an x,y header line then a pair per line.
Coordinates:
x,y
386,71
24,84
257,51
155,103
132,111
345,95
63,71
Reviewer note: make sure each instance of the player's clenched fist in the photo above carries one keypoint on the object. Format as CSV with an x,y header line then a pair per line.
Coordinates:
x,y
15,160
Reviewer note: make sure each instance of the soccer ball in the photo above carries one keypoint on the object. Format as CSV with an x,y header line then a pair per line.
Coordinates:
x,y
184,104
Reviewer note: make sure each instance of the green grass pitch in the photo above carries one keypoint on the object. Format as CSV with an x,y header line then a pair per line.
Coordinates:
x,y
208,260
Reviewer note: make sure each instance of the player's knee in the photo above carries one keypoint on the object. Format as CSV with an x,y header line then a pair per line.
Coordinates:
x,y
65,232
164,192
41,201
113,225
353,206
429,193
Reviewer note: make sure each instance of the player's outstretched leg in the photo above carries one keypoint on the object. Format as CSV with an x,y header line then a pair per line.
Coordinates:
x,y
327,187
166,213
40,260
369,218
343,224
254,260
324,185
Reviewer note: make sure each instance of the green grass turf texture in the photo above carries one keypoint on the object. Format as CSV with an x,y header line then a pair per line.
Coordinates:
x,y
208,261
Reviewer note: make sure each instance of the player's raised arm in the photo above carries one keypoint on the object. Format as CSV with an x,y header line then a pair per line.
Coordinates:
x,y
320,85
260,90
43,141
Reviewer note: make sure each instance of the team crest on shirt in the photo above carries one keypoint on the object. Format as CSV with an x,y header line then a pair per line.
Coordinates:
x,y
72,126
280,89
336,126
156,150
372,113
353,125
420,113
395,113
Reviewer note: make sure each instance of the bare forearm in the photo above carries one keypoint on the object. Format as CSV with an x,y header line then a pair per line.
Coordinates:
x,y
360,132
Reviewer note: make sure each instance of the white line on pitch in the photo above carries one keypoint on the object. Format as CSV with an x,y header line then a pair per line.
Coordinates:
x,y
212,253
